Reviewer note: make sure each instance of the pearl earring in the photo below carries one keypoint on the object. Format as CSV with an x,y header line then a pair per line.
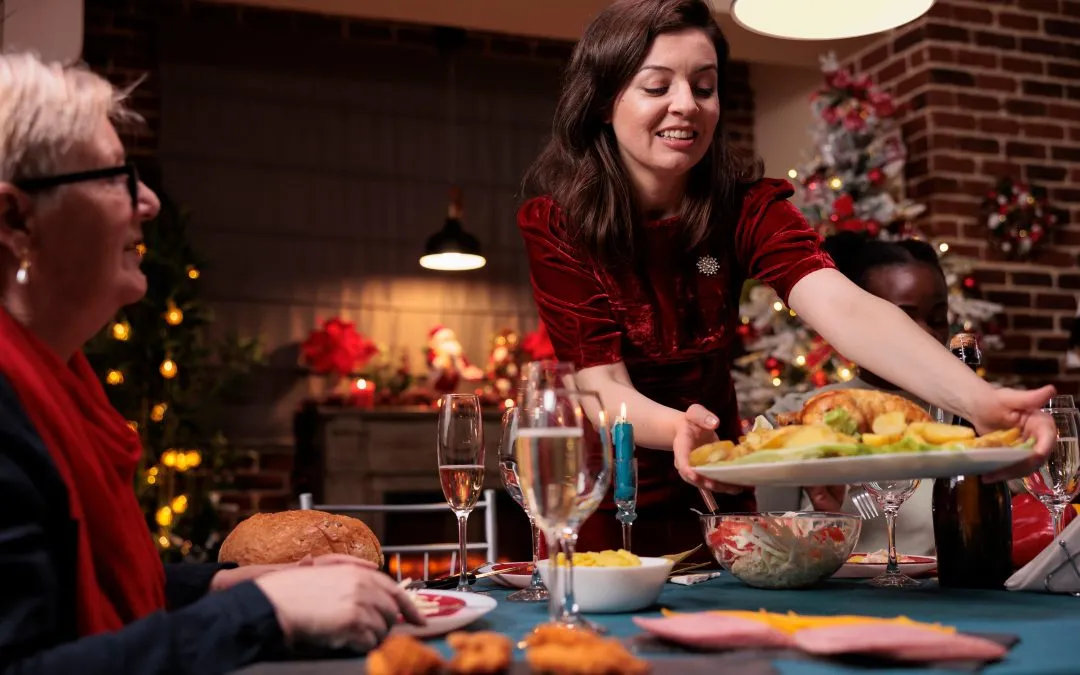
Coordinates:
x,y
23,275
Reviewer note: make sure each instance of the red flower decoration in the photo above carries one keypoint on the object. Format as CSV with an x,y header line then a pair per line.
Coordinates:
x,y
538,345
337,347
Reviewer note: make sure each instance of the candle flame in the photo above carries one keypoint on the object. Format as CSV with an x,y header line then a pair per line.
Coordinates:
x,y
622,411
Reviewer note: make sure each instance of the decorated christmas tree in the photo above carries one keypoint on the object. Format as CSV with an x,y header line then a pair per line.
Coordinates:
x,y
171,379
853,182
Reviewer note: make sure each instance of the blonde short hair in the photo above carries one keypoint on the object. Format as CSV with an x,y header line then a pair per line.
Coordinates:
x,y
45,108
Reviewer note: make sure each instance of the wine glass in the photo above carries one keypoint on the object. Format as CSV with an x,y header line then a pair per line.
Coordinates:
x,y
550,464
593,482
461,464
890,496
1057,481
536,591
546,374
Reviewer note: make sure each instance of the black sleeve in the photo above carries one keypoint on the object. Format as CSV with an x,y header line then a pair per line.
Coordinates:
x,y
220,633
187,582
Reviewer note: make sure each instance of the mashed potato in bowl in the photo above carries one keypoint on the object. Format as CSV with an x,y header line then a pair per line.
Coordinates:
x,y
611,581
620,558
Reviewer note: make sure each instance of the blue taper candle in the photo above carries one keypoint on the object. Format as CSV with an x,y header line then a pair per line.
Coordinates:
x,y
622,434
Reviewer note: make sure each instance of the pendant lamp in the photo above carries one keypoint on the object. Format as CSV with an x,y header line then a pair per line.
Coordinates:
x,y
452,249
825,19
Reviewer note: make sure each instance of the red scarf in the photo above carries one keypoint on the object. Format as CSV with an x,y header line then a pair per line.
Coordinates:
x,y
119,576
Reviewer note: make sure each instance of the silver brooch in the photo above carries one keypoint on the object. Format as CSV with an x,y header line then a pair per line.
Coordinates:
x,y
708,265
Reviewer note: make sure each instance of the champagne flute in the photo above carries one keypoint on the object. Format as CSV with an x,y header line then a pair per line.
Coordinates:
x,y
536,591
890,496
1057,481
594,479
550,467
460,446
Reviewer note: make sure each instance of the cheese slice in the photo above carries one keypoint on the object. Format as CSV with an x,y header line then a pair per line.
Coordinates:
x,y
791,622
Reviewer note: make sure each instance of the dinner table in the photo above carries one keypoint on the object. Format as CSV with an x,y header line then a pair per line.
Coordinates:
x,y
1043,629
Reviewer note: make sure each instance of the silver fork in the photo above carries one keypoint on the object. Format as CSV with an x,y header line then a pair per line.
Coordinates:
x,y
865,504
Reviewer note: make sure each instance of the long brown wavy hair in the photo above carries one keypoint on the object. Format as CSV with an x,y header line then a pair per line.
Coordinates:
x,y
580,168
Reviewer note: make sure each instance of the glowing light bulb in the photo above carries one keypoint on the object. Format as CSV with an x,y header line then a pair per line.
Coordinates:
x,y
114,377
164,517
121,330
800,360
173,315
845,374
836,183
157,413
192,272
180,504
776,382
168,369
778,306
792,174
943,247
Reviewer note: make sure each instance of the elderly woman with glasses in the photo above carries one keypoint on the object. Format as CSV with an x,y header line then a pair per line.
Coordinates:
x,y
82,588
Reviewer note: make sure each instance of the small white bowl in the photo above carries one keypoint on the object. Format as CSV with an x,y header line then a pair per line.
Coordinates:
x,y
606,590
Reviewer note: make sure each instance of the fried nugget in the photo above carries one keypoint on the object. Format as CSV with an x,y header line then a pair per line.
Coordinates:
x,y
557,650
403,655
482,653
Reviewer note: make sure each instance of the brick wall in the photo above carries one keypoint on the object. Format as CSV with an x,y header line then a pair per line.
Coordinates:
x,y
994,88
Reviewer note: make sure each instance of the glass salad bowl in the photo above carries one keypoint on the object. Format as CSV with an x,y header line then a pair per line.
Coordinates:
x,y
781,550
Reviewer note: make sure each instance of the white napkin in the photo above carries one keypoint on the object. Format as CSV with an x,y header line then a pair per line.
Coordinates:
x,y
691,579
1052,560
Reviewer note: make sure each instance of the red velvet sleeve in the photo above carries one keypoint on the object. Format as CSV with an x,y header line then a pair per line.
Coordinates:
x,y
773,242
570,299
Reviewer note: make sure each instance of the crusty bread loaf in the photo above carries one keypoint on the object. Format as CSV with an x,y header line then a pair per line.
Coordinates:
x,y
288,536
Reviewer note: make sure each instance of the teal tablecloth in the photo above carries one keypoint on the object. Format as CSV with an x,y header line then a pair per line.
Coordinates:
x,y
1048,625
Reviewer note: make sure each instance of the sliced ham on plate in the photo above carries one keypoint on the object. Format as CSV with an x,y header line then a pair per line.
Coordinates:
x,y
897,641
714,631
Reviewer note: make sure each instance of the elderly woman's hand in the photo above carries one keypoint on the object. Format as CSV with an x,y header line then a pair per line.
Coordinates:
x,y
1008,408
696,428
230,577
337,605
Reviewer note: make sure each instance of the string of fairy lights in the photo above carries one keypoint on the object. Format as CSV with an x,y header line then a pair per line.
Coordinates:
x,y
172,463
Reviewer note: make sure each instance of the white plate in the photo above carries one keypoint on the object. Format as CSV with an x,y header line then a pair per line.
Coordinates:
x,y
508,580
458,610
866,468
917,566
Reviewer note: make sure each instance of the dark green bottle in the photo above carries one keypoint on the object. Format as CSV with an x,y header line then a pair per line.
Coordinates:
x,y
972,519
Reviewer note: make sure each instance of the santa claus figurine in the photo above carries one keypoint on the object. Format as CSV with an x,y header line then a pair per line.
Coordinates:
x,y
447,366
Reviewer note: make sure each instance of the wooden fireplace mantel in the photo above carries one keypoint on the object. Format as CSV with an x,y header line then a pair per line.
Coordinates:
x,y
352,456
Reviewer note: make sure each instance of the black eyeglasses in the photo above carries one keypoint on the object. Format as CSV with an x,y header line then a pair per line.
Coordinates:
x,y
45,182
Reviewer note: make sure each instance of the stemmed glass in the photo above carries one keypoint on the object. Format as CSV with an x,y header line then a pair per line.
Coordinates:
x,y
461,464
890,496
551,466
536,591
593,482
1057,481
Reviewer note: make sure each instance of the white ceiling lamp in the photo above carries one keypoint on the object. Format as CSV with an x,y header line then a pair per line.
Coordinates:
x,y
825,19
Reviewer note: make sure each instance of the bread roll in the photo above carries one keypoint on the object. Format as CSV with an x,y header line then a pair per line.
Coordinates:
x,y
288,536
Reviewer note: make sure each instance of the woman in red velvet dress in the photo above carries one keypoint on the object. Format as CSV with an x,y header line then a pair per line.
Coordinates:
x,y
641,229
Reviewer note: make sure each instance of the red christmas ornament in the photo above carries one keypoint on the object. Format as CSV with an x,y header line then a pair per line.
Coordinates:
x,y
969,282
819,378
876,176
772,363
844,206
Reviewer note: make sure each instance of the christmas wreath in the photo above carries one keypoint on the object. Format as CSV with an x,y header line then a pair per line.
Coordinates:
x,y
1017,218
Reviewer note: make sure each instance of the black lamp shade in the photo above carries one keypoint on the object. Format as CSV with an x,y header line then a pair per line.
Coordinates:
x,y
452,248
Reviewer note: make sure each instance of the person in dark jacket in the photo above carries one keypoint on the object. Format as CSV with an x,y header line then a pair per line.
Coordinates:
x,y
82,588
